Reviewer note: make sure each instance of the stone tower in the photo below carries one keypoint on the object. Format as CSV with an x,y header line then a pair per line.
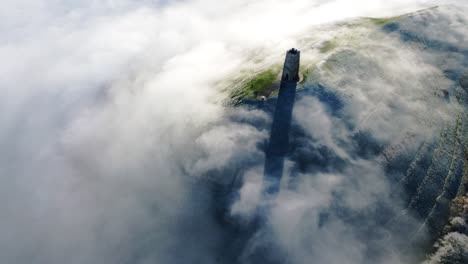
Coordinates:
x,y
291,66
279,137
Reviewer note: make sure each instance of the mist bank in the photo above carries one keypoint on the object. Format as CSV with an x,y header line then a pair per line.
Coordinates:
x,y
113,130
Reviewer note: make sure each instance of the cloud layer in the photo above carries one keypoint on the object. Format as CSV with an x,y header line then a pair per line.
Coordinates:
x,y
111,122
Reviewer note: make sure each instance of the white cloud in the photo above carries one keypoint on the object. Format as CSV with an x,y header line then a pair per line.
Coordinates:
x,y
103,106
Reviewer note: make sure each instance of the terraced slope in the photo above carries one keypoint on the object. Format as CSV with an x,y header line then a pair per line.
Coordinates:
x,y
396,97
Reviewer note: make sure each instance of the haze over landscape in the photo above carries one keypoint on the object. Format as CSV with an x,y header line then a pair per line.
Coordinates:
x,y
136,131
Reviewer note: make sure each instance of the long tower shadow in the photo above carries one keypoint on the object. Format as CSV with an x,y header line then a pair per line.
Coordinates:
x,y
279,137
238,249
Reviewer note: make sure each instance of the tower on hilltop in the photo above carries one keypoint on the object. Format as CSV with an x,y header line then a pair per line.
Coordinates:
x,y
291,66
